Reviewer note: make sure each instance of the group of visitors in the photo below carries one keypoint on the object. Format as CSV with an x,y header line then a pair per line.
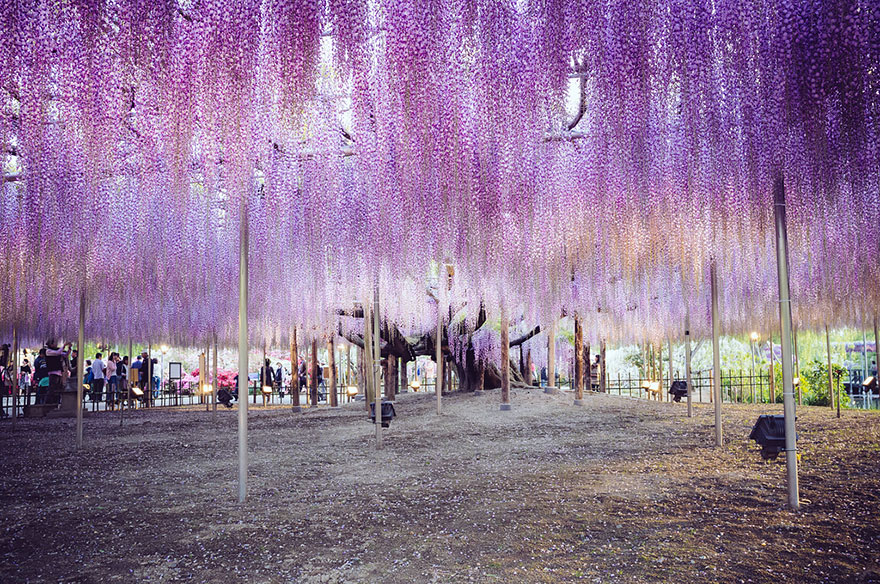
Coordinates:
x,y
54,370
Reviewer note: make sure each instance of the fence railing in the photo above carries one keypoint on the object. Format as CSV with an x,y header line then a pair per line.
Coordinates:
x,y
171,394
738,386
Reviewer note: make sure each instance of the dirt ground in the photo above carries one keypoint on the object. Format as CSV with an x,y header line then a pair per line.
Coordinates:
x,y
620,490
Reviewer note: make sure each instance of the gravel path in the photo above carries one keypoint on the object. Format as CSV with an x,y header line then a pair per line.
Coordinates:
x,y
621,490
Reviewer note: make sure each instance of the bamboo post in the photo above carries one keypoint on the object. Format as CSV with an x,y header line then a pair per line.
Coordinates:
x,y
603,373
785,321
242,353
772,372
716,353
505,362
671,376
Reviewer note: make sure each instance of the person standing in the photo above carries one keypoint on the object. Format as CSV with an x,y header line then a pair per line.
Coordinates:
x,y
74,371
24,381
40,373
267,375
112,381
303,374
57,364
279,379
97,378
144,378
122,376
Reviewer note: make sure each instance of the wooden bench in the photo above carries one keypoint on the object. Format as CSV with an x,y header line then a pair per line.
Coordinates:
x,y
652,388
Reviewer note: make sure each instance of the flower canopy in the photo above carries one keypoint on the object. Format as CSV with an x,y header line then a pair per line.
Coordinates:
x,y
588,157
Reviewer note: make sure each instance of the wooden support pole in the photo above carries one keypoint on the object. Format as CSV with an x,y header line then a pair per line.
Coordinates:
x,y
603,372
588,369
505,362
331,362
578,362
530,380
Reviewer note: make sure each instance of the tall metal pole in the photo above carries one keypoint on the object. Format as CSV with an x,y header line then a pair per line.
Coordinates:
x,y
505,362
214,387
367,354
716,353
797,365
830,375
551,357
438,381
785,321
752,351
15,375
772,371
377,367
876,346
242,353
80,367
687,360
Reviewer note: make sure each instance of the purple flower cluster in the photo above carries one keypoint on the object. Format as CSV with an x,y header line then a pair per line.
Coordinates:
x,y
566,157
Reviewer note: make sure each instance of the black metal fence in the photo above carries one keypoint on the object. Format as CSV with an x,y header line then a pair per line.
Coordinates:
x,y
738,387
171,394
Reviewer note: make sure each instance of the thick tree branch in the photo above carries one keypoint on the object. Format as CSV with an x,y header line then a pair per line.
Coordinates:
x,y
526,337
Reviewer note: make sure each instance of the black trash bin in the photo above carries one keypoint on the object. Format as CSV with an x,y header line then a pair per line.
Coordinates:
x,y
678,390
769,433
387,413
